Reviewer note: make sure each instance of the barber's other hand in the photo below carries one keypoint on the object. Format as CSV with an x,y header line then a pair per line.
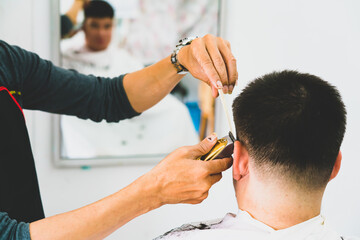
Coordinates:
x,y
210,59
179,178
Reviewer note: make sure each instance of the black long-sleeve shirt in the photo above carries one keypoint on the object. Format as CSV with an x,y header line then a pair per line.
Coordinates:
x,y
11,229
38,84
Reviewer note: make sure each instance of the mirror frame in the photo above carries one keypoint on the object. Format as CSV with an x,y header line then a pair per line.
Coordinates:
x,y
56,129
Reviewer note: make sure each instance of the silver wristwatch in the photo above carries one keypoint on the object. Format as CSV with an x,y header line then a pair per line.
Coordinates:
x,y
174,60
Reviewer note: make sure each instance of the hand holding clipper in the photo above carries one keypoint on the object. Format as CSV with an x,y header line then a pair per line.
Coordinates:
x,y
222,149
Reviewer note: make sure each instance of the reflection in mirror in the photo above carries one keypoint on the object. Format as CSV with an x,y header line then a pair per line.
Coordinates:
x,y
120,36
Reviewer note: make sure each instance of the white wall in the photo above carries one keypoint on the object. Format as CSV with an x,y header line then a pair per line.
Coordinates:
x,y
320,37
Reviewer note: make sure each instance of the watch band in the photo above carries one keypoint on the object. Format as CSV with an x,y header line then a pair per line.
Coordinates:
x,y
174,60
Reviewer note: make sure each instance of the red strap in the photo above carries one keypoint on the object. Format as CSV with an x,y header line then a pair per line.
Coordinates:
x,y
4,88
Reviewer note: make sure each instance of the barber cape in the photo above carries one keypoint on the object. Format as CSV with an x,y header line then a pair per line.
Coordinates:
x,y
110,62
243,226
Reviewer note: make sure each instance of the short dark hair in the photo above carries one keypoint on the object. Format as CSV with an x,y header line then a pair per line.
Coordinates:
x,y
98,9
292,125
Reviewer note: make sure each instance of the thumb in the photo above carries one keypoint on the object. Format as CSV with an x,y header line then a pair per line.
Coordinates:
x,y
214,91
205,145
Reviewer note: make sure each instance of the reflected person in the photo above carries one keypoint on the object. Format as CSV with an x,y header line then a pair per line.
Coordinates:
x,y
96,55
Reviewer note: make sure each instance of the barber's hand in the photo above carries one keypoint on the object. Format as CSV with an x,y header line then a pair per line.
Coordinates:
x,y
179,178
210,60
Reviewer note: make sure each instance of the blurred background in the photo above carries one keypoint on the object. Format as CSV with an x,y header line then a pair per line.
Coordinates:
x,y
320,37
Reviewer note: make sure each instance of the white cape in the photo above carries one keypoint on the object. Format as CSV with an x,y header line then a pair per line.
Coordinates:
x,y
243,226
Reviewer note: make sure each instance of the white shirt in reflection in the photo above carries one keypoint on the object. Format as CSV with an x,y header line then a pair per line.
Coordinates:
x,y
110,62
157,131
243,226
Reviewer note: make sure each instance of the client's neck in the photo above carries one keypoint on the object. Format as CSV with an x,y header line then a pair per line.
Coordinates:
x,y
275,205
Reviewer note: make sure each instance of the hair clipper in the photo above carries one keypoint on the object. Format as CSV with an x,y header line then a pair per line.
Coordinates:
x,y
223,148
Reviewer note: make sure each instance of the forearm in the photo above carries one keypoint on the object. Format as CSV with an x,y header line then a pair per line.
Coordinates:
x,y
74,10
176,179
148,86
208,59
98,220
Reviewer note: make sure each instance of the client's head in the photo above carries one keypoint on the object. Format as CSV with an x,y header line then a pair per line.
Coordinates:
x,y
98,24
290,127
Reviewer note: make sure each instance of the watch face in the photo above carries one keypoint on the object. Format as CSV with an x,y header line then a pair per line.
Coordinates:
x,y
182,43
183,72
186,41
173,58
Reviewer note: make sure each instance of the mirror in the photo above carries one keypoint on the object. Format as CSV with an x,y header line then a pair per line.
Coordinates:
x,y
141,33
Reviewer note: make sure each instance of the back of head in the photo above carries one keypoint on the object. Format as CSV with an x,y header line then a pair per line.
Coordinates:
x,y
292,125
98,9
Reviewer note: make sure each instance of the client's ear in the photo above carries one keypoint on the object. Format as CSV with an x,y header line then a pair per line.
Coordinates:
x,y
336,167
240,161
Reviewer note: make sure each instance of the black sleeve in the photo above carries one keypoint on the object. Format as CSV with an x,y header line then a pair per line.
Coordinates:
x,y
12,230
46,87
66,25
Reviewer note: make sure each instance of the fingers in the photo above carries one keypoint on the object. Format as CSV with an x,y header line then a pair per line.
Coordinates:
x,y
210,59
201,54
204,189
214,91
218,165
180,179
214,178
198,199
204,193
204,146
217,60
230,62
223,62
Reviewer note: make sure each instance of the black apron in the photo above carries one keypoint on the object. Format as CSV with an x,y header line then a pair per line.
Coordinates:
x,y
19,189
